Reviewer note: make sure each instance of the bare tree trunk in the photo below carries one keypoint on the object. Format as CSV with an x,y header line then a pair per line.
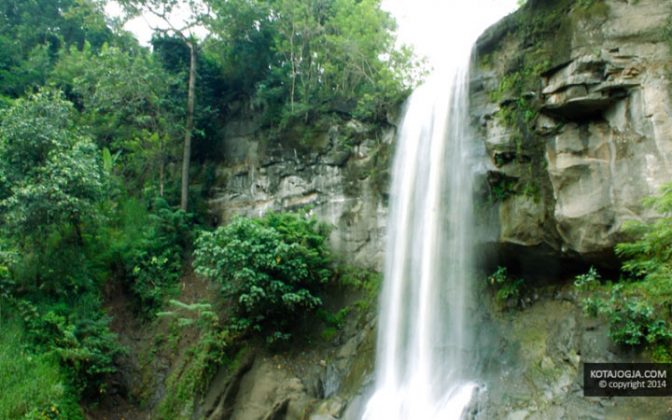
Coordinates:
x,y
161,171
186,157
293,61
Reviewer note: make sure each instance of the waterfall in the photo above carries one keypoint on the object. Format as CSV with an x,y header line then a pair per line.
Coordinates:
x,y
425,353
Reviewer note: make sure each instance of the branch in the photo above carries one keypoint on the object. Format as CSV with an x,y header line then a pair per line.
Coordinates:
x,y
164,16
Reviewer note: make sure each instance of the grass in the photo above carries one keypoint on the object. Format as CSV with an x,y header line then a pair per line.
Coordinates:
x,y
32,385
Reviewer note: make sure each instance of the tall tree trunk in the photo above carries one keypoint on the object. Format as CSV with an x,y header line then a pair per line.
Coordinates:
x,y
186,156
161,172
292,59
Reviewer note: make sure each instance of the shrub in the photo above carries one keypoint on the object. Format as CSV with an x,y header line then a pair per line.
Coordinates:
x,y
333,321
507,288
647,261
80,338
6,288
145,246
648,255
50,175
589,281
632,321
367,281
212,350
156,261
273,268
637,308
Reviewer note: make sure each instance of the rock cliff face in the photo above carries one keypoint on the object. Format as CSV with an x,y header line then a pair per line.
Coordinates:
x,y
573,102
339,171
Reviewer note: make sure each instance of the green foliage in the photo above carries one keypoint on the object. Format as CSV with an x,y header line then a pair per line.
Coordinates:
x,y
212,350
211,90
32,32
64,228
632,321
501,188
314,56
51,182
661,353
588,282
190,383
636,323
7,285
155,261
506,287
365,280
246,52
637,310
32,384
126,100
49,172
516,95
80,339
649,257
73,163
272,268
333,321
145,247
199,314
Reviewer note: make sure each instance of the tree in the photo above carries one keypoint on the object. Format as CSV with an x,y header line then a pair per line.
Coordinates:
x,y
50,175
211,89
32,33
244,44
361,63
315,55
163,10
125,99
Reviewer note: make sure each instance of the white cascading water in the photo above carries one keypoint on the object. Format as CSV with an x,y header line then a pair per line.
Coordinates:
x,y
425,352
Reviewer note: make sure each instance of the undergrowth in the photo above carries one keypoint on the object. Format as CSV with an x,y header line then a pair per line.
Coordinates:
x,y
215,347
33,384
637,306
508,289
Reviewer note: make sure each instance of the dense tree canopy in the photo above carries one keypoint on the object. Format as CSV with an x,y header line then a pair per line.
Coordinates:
x,y
125,99
50,172
33,32
298,57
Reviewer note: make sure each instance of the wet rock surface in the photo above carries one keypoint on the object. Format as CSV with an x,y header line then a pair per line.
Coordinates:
x,y
323,383
536,365
599,123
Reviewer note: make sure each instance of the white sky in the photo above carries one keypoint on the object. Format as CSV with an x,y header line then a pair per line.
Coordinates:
x,y
429,25
141,25
434,26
